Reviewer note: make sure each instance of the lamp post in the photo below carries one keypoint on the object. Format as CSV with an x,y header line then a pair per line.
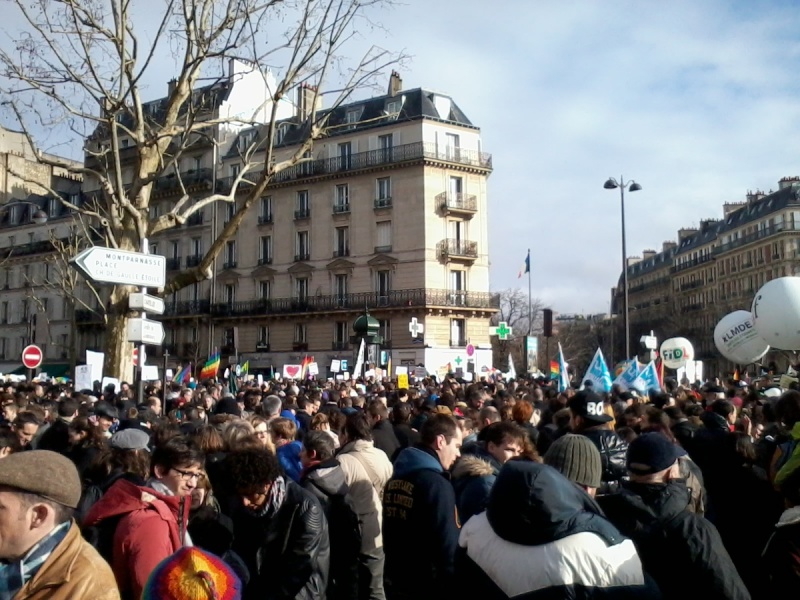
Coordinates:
x,y
632,186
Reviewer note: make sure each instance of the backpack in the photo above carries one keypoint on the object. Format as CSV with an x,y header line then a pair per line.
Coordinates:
x,y
101,536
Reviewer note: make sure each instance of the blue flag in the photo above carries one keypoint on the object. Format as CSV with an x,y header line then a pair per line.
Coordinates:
x,y
598,373
647,379
628,376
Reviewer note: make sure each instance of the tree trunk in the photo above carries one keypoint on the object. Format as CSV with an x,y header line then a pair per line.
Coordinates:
x,y
118,350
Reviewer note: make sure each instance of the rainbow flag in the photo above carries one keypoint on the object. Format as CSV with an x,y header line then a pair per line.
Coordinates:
x,y
304,366
184,375
209,371
554,370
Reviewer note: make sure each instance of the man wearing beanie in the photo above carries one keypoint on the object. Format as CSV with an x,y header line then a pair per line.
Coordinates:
x,y
577,459
653,510
42,553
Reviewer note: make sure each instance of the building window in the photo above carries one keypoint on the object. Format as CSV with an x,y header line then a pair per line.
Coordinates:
x,y
230,211
193,335
452,146
54,207
155,211
456,187
385,330
383,242
153,248
63,343
345,155
458,332
175,249
300,333
230,254
384,190
340,287
4,312
458,287
342,198
265,290
341,242
265,214
352,116
302,246
229,338
301,289
340,334
265,250
383,285
263,338
195,292
230,293
302,201
197,246
235,170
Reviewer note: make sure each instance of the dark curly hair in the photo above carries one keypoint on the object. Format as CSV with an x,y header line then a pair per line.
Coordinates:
x,y
252,468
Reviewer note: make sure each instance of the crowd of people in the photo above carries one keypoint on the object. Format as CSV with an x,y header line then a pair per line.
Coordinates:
x,y
359,490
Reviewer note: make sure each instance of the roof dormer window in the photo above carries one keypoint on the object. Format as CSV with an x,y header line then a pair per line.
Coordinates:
x,y
352,116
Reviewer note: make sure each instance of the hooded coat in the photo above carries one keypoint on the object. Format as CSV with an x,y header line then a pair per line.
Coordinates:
x,y
420,521
473,477
657,518
543,537
782,554
151,527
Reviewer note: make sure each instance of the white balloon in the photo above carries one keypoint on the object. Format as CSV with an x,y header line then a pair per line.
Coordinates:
x,y
776,313
675,352
738,340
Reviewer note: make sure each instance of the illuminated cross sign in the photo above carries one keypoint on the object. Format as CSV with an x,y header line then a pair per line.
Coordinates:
x,y
502,331
415,328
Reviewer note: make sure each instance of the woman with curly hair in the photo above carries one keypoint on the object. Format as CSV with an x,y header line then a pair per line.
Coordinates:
x,y
86,441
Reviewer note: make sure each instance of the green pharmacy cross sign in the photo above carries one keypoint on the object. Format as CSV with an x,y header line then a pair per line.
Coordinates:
x,y
459,360
502,331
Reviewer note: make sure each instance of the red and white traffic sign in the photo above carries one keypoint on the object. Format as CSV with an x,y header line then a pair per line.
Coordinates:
x,y
32,356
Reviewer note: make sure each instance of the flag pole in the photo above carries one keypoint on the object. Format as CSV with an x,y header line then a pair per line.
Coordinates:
x,y
530,301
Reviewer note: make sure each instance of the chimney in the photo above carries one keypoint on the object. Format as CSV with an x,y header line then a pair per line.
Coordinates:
x,y
706,223
789,182
754,196
305,101
731,207
667,246
685,233
171,86
646,254
395,84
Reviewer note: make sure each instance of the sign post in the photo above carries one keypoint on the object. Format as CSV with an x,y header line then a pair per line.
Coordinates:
x,y
32,357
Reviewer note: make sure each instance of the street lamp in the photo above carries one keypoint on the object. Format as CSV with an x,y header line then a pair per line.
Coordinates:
x,y
632,186
39,217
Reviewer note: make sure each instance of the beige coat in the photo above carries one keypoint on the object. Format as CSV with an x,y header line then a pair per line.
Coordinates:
x,y
367,469
74,571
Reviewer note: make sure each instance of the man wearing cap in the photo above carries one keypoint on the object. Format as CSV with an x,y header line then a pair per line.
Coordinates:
x,y
588,418
681,550
42,553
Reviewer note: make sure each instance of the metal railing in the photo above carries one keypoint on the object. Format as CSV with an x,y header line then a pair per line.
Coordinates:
x,y
340,209
174,264
384,156
303,213
700,260
383,202
195,219
457,202
193,260
757,235
454,247
189,178
265,219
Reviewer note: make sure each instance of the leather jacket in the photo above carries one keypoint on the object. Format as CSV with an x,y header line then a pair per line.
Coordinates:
x,y
613,450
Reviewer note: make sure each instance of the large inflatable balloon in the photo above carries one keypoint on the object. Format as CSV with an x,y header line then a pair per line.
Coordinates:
x,y
675,352
776,313
737,340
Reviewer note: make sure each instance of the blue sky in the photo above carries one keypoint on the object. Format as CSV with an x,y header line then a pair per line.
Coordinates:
x,y
696,101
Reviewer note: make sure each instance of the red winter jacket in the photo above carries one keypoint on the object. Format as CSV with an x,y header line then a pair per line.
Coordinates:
x,y
146,534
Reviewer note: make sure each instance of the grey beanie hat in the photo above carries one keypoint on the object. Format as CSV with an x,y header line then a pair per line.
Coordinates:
x,y
577,458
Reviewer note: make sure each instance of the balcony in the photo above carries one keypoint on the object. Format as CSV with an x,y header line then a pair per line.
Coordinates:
x,y
383,249
191,179
88,317
229,264
302,213
419,298
458,343
418,151
195,219
340,252
265,219
692,263
301,256
692,285
265,260
193,260
341,208
28,249
299,346
262,347
454,249
340,346
174,264
464,205
383,203
758,235
188,308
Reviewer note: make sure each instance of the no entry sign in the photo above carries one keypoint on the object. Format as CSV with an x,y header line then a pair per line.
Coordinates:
x,y
32,356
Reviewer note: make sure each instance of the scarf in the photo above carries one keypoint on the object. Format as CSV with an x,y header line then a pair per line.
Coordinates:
x,y
277,494
13,576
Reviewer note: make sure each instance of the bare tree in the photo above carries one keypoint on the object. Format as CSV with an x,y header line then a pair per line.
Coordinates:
x,y
80,65
514,311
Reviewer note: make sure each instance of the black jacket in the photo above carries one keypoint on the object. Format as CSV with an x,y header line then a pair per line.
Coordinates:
x,y
543,537
684,432
384,439
405,435
56,438
288,552
656,517
420,525
613,451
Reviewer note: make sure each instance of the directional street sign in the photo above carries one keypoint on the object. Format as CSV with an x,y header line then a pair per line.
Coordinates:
x,y
106,265
145,331
32,356
146,303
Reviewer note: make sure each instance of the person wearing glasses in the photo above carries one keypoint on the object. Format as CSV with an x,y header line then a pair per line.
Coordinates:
x,y
146,524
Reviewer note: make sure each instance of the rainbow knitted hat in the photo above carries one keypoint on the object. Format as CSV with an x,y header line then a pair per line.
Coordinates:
x,y
192,574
